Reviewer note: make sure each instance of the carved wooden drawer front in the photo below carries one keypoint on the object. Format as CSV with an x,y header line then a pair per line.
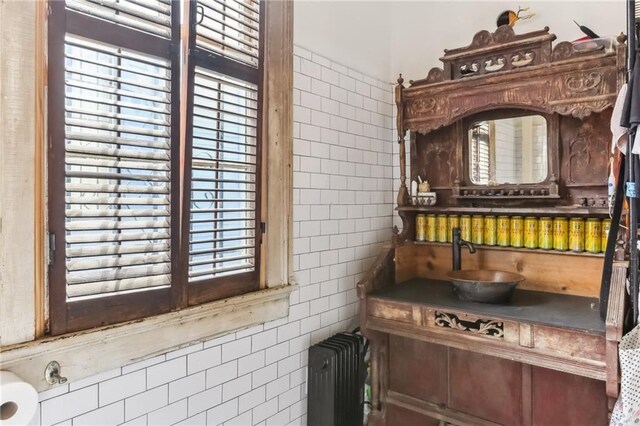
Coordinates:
x,y
578,352
472,325
392,311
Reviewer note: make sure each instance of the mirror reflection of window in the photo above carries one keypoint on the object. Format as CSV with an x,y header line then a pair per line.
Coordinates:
x,y
508,151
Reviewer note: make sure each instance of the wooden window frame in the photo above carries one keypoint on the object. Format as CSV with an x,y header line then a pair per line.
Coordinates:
x,y
69,316
236,284
24,349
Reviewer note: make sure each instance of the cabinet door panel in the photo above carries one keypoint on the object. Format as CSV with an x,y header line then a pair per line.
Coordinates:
x,y
399,416
485,387
564,399
417,369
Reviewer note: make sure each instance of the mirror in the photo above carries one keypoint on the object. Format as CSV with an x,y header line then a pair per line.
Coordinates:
x,y
508,151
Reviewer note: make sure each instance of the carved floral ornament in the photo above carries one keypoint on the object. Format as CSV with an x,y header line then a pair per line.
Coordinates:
x,y
583,82
485,327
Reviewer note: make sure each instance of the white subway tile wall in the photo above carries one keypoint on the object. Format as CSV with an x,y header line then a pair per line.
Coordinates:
x,y
343,208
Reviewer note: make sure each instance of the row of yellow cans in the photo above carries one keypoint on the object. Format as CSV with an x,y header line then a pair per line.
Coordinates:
x,y
558,233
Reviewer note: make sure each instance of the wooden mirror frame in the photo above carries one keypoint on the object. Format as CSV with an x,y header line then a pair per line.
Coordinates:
x,y
546,189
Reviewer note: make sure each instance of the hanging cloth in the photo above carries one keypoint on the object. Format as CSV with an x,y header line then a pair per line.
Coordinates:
x,y
627,408
626,412
630,117
620,134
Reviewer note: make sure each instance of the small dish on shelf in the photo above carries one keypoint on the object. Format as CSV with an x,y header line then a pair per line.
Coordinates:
x,y
424,199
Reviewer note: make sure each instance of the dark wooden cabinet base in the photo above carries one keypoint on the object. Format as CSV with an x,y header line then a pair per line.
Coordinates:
x,y
430,383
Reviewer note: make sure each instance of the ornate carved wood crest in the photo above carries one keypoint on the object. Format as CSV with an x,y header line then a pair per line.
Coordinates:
x,y
505,70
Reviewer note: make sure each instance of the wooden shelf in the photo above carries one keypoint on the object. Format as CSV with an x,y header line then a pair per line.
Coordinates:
x,y
519,249
511,211
507,197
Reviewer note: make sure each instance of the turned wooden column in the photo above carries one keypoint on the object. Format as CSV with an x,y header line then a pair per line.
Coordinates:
x,y
403,192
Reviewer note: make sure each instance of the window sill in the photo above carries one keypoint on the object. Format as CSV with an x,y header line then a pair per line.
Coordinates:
x,y
86,353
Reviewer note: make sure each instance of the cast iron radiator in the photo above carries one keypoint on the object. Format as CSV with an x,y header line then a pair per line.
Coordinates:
x,y
336,381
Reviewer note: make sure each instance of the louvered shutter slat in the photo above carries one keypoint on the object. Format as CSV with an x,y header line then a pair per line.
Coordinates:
x,y
116,262
120,164
115,213
127,117
117,250
98,150
112,287
94,225
195,253
163,110
129,201
115,140
125,189
117,168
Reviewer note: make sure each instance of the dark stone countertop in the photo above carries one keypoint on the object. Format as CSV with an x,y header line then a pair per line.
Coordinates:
x,y
534,307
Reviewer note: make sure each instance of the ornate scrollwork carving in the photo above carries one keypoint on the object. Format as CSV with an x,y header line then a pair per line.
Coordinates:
x,y
481,39
580,151
420,106
522,59
583,82
577,91
469,69
504,34
489,328
426,127
435,75
563,50
494,64
581,110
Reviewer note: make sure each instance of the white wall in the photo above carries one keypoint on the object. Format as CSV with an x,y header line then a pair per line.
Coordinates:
x,y
429,27
356,33
342,213
385,38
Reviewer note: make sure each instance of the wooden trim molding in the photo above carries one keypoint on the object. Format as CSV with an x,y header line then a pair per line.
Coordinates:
x,y
22,258
17,163
80,354
278,110
40,171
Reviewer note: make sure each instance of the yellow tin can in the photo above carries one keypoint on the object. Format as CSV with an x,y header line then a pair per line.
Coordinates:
x,y
593,235
502,223
489,232
421,227
431,227
477,227
465,227
454,222
442,227
560,233
576,234
531,232
606,226
516,231
545,233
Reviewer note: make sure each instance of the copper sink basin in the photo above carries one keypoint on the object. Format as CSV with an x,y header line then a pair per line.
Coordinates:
x,y
484,286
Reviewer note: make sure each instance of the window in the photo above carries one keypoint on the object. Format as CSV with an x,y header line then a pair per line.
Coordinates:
x,y
479,153
143,221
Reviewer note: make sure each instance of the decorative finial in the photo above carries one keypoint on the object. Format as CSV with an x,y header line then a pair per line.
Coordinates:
x,y
622,38
400,79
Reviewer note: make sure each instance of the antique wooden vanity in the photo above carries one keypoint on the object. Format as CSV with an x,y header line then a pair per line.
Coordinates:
x,y
546,358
